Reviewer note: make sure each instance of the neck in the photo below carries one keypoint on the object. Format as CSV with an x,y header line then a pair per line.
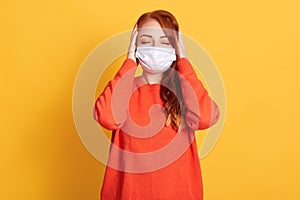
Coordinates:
x,y
151,78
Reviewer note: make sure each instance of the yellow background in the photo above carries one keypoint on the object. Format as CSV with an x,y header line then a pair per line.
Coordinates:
x,y
255,45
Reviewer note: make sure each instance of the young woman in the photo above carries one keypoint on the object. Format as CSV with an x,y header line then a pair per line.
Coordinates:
x,y
154,117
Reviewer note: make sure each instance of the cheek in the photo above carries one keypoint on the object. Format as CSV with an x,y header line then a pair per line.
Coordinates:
x,y
164,45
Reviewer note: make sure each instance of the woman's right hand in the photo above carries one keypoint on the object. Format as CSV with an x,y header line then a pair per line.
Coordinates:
x,y
132,46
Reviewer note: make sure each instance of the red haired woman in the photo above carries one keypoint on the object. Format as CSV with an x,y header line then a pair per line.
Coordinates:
x,y
153,117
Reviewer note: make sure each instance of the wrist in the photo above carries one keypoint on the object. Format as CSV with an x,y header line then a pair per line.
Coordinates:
x,y
183,59
131,57
183,65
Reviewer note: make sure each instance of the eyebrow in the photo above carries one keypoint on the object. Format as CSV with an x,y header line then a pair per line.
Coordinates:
x,y
146,35
150,36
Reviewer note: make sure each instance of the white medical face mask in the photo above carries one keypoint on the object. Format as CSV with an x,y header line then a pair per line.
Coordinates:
x,y
155,59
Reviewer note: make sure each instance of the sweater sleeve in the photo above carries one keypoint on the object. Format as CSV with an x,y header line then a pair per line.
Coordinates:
x,y
201,111
109,109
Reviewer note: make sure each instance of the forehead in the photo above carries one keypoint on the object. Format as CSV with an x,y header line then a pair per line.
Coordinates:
x,y
152,28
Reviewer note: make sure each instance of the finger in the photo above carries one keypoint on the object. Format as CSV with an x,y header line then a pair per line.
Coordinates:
x,y
180,37
134,39
135,26
181,45
134,35
134,32
181,40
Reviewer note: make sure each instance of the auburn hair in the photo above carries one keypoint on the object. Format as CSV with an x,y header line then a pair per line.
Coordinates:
x,y
170,89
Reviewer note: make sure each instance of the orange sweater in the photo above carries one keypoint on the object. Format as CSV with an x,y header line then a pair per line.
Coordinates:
x,y
148,159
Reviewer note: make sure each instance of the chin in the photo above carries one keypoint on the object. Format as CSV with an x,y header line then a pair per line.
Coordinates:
x,y
151,71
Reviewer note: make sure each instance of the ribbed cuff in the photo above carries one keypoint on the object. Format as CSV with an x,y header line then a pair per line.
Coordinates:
x,y
184,66
128,64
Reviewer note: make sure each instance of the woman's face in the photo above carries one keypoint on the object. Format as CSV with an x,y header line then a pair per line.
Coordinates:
x,y
152,34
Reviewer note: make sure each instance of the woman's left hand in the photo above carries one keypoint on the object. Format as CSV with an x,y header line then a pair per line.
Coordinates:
x,y
182,51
